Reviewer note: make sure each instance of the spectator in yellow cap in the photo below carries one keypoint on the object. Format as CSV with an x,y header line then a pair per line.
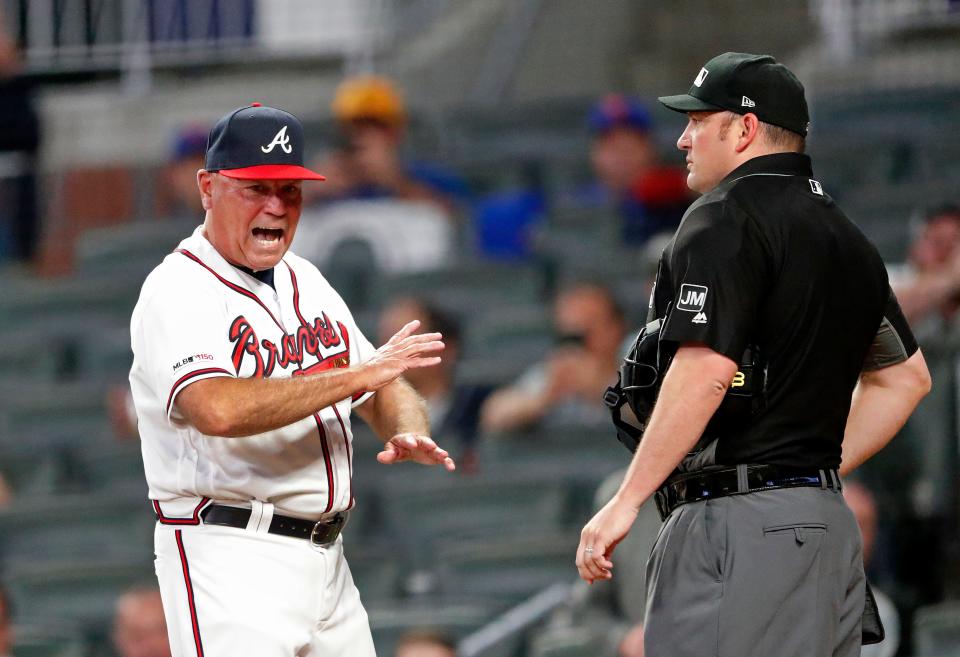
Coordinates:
x,y
367,163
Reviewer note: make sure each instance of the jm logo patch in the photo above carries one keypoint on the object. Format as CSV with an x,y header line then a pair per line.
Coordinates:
x,y
692,298
282,140
816,188
701,76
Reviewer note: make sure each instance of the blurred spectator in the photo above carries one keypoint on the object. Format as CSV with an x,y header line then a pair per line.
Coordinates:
x,y
425,643
19,142
864,507
178,196
121,412
139,626
566,388
367,162
6,493
400,211
651,197
6,624
928,285
454,408
611,612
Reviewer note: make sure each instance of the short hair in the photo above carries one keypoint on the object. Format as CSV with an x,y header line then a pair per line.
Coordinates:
x,y
617,312
434,637
438,319
923,216
943,209
773,135
780,137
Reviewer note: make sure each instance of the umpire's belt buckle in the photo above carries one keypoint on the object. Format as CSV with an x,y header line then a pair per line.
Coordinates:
x,y
325,532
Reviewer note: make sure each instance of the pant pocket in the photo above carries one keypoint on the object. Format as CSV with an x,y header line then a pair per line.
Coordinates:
x,y
801,531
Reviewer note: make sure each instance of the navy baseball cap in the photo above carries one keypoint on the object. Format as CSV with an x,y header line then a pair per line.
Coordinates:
x,y
618,110
741,82
258,142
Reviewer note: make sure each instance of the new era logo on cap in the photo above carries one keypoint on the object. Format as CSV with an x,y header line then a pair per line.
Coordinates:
x,y
258,142
742,82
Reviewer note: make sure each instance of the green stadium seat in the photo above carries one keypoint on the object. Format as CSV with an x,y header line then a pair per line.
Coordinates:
x,y
452,617
936,630
509,569
468,289
47,638
131,249
564,642
83,590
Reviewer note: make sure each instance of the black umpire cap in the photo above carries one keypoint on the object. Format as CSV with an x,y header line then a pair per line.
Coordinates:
x,y
258,142
741,82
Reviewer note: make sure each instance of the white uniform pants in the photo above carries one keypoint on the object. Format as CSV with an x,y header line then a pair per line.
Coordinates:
x,y
229,592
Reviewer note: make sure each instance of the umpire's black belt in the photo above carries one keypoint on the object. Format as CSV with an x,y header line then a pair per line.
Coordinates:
x,y
320,533
710,484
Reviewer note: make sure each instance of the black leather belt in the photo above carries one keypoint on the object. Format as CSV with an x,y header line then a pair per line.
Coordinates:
x,y
320,533
739,480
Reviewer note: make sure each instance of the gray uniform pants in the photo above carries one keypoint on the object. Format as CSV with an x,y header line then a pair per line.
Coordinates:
x,y
768,574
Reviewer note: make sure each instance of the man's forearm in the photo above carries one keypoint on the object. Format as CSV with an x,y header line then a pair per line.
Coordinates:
x,y
235,408
396,408
882,402
692,390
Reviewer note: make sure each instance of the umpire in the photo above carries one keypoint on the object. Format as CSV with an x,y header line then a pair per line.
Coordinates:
x,y
758,554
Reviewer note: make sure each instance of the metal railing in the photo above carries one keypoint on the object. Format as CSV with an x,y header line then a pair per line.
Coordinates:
x,y
132,35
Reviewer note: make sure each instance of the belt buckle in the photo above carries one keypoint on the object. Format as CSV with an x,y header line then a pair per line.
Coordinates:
x,y
318,527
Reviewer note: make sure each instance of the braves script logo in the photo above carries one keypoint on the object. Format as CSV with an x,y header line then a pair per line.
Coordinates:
x,y
281,139
292,348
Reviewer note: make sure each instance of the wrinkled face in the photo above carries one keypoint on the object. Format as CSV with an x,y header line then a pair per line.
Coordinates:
x,y
710,147
250,222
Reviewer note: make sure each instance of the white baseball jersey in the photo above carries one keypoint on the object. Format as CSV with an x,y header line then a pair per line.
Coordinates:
x,y
199,317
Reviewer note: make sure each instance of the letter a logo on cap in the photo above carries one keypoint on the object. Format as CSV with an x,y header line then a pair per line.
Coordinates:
x,y
701,76
281,140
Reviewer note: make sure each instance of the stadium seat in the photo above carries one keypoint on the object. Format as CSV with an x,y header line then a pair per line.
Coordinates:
x,y
451,616
46,637
132,249
508,568
564,642
936,630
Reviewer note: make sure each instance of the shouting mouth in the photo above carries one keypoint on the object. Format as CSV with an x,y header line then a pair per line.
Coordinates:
x,y
268,236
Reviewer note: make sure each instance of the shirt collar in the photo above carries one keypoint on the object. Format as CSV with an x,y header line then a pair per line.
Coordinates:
x,y
784,164
201,247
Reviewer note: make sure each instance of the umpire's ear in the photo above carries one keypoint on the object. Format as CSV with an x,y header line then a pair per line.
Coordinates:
x,y
205,183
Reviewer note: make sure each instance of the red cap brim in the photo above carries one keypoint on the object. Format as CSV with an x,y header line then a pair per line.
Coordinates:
x,y
272,172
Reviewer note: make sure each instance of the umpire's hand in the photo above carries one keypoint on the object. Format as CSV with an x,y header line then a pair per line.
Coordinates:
x,y
599,538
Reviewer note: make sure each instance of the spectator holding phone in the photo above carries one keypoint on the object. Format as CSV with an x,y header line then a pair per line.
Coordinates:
x,y
566,388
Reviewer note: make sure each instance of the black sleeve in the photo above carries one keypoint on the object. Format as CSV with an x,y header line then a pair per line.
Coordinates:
x,y
718,271
894,342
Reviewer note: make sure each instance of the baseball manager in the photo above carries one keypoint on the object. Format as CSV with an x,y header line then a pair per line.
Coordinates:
x,y
247,365
766,286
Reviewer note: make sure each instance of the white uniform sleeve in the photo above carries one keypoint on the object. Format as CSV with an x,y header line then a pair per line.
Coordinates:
x,y
183,337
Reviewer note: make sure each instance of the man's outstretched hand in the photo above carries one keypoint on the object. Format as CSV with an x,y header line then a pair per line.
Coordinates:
x,y
417,448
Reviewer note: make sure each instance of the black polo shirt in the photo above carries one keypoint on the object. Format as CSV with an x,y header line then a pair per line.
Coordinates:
x,y
768,259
